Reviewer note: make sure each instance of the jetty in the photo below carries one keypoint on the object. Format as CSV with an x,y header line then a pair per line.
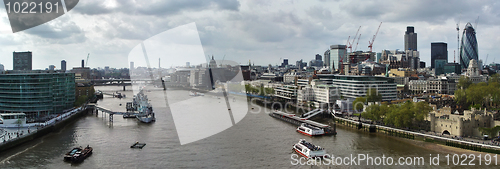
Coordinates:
x,y
296,120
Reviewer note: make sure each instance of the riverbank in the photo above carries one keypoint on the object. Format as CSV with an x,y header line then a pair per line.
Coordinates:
x,y
12,140
435,139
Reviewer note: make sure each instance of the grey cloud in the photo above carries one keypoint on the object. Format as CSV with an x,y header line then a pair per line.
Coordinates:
x,y
160,8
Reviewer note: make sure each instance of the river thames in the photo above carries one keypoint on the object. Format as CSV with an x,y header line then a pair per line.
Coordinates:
x,y
257,141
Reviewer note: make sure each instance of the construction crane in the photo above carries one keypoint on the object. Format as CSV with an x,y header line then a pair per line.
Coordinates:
x,y
350,44
374,36
355,48
347,43
86,62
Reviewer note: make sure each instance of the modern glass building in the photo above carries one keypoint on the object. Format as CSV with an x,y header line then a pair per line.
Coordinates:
x,y
468,48
36,93
357,86
337,53
439,50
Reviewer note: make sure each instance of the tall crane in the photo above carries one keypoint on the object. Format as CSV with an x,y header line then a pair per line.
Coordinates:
x,y
357,42
349,45
374,36
86,62
458,35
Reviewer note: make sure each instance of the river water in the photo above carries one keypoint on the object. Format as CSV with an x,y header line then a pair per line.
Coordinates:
x,y
257,141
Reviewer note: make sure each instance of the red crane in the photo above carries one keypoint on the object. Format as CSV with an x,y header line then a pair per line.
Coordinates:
x,y
349,44
374,36
357,43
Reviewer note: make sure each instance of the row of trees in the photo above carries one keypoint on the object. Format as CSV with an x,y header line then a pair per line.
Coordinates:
x,y
372,95
259,90
403,115
478,95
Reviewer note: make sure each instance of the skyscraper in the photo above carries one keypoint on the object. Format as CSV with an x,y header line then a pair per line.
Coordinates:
x,y
22,60
439,50
326,61
132,66
337,54
63,65
468,47
318,57
410,39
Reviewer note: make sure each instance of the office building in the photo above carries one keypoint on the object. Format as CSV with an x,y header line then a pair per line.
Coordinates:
x,y
63,66
357,86
338,54
439,50
2,68
52,67
326,61
22,60
468,48
36,93
410,39
132,66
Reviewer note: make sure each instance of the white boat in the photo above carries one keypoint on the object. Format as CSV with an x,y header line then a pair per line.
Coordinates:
x,y
310,130
146,114
191,93
308,150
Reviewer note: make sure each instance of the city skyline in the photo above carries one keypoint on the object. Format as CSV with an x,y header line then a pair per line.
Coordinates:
x,y
296,30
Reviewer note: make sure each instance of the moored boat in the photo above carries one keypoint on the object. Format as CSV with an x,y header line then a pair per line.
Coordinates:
x,y
310,130
308,150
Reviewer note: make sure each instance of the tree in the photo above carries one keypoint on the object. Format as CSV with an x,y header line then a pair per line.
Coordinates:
x,y
358,103
372,95
491,132
81,100
464,82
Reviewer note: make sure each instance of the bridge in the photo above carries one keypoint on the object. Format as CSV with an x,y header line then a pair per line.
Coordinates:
x,y
129,82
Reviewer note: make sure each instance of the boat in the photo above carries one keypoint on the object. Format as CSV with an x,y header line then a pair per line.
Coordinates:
x,y
308,150
129,115
69,155
310,130
138,145
144,108
79,156
191,93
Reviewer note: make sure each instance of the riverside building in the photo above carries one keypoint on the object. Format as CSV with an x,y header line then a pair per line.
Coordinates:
x,y
357,86
36,93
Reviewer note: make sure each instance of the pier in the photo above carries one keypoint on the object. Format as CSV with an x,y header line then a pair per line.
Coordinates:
x,y
96,109
293,119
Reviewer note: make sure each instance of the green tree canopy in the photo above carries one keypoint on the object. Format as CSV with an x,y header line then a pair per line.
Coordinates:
x,y
358,103
372,95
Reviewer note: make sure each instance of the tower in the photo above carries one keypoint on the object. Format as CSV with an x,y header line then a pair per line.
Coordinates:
x,y
468,47
410,39
439,50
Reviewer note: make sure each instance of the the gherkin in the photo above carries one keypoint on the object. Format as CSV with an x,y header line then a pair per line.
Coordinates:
x,y
468,49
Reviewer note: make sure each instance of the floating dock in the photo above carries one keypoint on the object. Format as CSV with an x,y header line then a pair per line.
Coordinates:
x,y
293,119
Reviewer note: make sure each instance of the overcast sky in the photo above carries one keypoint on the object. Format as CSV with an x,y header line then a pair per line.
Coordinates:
x,y
262,31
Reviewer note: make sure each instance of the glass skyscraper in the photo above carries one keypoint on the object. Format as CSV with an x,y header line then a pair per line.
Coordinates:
x,y
337,53
468,49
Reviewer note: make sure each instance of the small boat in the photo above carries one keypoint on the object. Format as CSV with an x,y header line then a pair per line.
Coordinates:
x,y
69,155
129,115
308,150
310,130
138,145
79,156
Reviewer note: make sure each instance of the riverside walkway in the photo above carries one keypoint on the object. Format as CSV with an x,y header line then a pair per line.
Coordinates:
x,y
448,141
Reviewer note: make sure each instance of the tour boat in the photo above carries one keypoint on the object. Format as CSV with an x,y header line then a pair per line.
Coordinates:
x,y
310,130
308,150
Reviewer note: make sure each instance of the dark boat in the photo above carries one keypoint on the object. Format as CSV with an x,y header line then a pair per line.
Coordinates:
x,y
138,145
79,156
69,155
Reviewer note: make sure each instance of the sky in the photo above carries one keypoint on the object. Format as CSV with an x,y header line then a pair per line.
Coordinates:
x,y
261,31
